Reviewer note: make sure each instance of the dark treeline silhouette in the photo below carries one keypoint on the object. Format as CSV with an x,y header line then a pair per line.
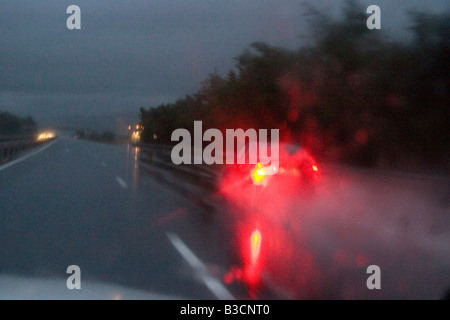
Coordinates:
x,y
14,127
351,95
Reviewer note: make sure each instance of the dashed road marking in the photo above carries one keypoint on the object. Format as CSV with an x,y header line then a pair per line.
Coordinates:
x,y
213,284
122,183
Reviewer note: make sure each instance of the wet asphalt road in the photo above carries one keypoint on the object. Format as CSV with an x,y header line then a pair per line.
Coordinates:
x,y
128,217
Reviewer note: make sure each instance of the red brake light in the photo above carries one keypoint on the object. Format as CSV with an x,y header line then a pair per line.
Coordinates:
x,y
258,175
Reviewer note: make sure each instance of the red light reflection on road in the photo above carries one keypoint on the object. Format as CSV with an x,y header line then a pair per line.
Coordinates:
x,y
268,254
253,262
271,244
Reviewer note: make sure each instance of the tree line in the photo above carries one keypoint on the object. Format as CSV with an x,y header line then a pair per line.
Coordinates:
x,y
351,95
15,127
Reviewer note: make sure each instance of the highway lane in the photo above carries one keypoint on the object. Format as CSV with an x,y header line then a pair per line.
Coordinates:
x,y
91,205
127,216
318,243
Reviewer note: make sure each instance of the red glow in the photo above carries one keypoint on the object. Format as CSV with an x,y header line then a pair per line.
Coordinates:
x,y
253,267
268,232
252,253
362,260
228,278
267,252
297,172
362,136
255,245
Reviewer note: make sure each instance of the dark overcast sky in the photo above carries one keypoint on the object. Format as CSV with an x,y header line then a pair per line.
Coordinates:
x,y
133,53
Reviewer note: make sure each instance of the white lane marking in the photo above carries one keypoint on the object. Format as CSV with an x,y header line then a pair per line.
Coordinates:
x,y
11,163
103,164
213,284
122,183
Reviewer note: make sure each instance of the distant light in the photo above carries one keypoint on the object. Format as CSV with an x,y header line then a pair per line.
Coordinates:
x,y
45,136
129,127
136,136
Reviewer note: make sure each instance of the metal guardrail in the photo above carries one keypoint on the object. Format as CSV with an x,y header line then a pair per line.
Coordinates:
x,y
10,149
199,182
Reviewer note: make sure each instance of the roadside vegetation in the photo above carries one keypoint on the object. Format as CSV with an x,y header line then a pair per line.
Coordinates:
x,y
351,95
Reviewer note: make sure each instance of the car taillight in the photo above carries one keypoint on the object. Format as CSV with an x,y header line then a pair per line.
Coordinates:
x,y
258,175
